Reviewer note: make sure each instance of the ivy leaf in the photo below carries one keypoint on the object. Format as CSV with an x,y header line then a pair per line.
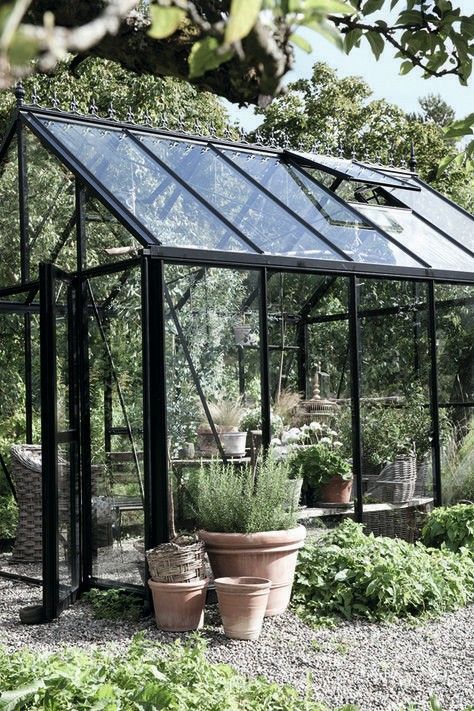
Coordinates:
x,y
301,43
243,16
165,20
206,54
376,43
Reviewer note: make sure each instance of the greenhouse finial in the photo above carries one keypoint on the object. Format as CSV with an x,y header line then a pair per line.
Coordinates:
x,y
413,163
19,93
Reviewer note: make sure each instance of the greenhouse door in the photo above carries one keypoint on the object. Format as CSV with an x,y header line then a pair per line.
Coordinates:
x,y
60,440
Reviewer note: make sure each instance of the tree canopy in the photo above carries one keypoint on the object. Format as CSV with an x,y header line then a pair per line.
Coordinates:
x,y
240,49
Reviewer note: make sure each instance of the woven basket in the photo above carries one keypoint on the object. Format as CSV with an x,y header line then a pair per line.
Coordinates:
x,y
396,482
403,523
174,563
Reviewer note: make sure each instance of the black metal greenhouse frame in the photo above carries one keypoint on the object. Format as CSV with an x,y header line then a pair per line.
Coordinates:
x,y
154,304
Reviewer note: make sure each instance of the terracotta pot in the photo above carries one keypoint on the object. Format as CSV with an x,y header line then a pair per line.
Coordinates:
x,y
179,607
336,491
269,554
242,604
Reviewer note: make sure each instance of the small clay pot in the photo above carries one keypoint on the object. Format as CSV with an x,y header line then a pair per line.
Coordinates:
x,y
242,604
336,491
179,607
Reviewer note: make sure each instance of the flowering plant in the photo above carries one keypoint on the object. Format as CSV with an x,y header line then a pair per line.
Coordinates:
x,y
298,438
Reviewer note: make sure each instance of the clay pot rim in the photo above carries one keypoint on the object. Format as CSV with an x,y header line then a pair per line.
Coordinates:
x,y
243,583
190,585
259,538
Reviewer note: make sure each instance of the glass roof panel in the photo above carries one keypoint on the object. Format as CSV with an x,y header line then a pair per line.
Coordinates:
x,y
338,222
263,221
439,211
407,229
161,204
350,170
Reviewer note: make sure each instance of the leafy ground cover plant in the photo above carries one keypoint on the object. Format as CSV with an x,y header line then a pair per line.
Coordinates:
x,y
450,527
114,604
148,676
351,574
8,517
244,501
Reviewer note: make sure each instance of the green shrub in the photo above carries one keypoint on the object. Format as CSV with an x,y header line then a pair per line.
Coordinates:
x,y
147,676
232,500
114,604
351,574
8,517
450,527
318,464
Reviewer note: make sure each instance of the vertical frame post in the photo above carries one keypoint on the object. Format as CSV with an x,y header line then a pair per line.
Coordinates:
x,y
264,360
155,429
434,400
302,356
81,244
74,446
354,343
49,441
25,273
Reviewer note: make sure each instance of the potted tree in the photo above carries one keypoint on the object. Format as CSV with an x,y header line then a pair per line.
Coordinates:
x,y
327,476
247,526
226,415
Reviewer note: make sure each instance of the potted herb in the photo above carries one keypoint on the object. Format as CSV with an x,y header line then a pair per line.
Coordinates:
x,y
226,415
327,476
247,526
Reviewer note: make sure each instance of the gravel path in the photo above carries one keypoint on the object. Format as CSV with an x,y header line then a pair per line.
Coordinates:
x,y
378,667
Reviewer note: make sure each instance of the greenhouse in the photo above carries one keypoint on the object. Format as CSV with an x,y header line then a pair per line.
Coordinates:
x,y
168,298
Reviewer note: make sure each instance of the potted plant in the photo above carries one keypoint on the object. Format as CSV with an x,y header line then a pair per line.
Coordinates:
x,y
178,584
247,527
226,415
327,476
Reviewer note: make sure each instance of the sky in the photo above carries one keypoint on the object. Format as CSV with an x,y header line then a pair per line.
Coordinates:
x,y
382,76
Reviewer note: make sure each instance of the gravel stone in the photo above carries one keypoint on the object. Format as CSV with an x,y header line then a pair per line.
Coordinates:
x,y
379,667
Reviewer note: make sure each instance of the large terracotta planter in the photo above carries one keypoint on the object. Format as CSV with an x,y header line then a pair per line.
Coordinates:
x,y
242,604
336,491
179,607
269,554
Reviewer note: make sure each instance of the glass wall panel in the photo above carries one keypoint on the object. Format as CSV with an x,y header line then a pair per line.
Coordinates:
x,y
116,407
212,357
310,387
455,340
51,209
395,412
10,272
20,520
107,240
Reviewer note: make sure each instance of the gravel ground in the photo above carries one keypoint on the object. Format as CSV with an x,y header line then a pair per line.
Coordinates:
x,y
378,667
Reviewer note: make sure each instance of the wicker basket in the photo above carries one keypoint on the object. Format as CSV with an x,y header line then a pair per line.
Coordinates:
x,y
396,482
175,563
405,523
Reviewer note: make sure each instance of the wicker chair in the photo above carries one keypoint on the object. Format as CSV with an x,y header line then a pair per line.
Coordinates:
x,y
396,482
26,467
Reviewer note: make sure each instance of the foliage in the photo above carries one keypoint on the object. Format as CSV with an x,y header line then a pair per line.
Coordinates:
x,y
391,430
146,676
231,500
8,517
286,405
252,420
318,464
351,574
337,115
226,413
457,464
243,49
450,527
114,604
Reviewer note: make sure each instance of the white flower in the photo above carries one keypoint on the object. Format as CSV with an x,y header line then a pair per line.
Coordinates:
x,y
336,443
325,440
315,426
275,442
